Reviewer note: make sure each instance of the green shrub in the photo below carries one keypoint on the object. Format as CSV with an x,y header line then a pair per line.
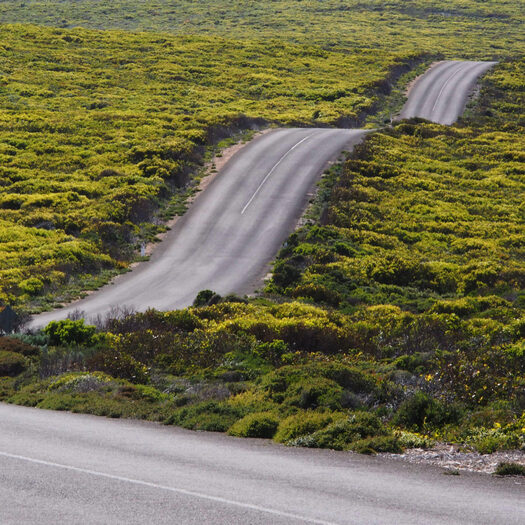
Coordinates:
x,y
69,332
208,422
412,440
26,399
376,444
318,293
316,385
422,411
257,425
340,434
314,392
489,440
416,363
206,298
301,424
31,286
209,415
11,363
285,274
273,351
57,401
510,469
150,394
8,387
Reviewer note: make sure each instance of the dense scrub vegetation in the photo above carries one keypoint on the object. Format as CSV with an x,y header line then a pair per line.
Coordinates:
x,y
304,375
425,217
478,29
395,316
418,334
425,226
97,129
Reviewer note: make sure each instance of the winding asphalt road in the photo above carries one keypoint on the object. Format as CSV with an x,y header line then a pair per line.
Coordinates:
x,y
76,469
67,468
236,226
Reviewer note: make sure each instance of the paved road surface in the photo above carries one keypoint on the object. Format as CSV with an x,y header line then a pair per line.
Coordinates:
x,y
235,227
440,95
57,467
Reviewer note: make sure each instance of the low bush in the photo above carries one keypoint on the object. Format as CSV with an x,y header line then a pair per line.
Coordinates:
x,y
80,382
314,392
206,298
301,424
252,401
258,425
69,332
421,411
26,399
412,440
342,433
320,385
58,401
12,363
376,444
210,416
489,440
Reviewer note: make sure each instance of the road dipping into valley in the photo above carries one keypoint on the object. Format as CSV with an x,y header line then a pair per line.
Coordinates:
x,y
236,226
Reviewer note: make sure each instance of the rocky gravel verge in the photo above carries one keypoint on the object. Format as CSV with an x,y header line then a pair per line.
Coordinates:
x,y
452,458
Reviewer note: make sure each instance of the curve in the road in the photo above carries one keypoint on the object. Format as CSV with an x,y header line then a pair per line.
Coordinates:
x,y
236,226
441,94
69,468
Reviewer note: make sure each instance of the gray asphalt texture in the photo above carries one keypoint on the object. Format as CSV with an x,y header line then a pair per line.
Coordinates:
x,y
237,225
57,467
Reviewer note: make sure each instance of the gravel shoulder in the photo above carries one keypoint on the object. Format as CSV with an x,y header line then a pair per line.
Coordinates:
x,y
450,457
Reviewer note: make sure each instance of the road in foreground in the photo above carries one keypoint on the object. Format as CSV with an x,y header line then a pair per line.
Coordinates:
x,y
57,467
235,228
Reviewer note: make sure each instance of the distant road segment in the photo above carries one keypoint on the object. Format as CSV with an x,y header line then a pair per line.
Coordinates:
x,y
441,94
57,467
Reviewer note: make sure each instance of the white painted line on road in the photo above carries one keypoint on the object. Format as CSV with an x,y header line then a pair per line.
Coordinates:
x,y
271,171
445,85
185,492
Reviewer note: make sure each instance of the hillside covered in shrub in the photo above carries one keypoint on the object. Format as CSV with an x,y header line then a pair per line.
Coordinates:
x,y
423,216
99,130
395,315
